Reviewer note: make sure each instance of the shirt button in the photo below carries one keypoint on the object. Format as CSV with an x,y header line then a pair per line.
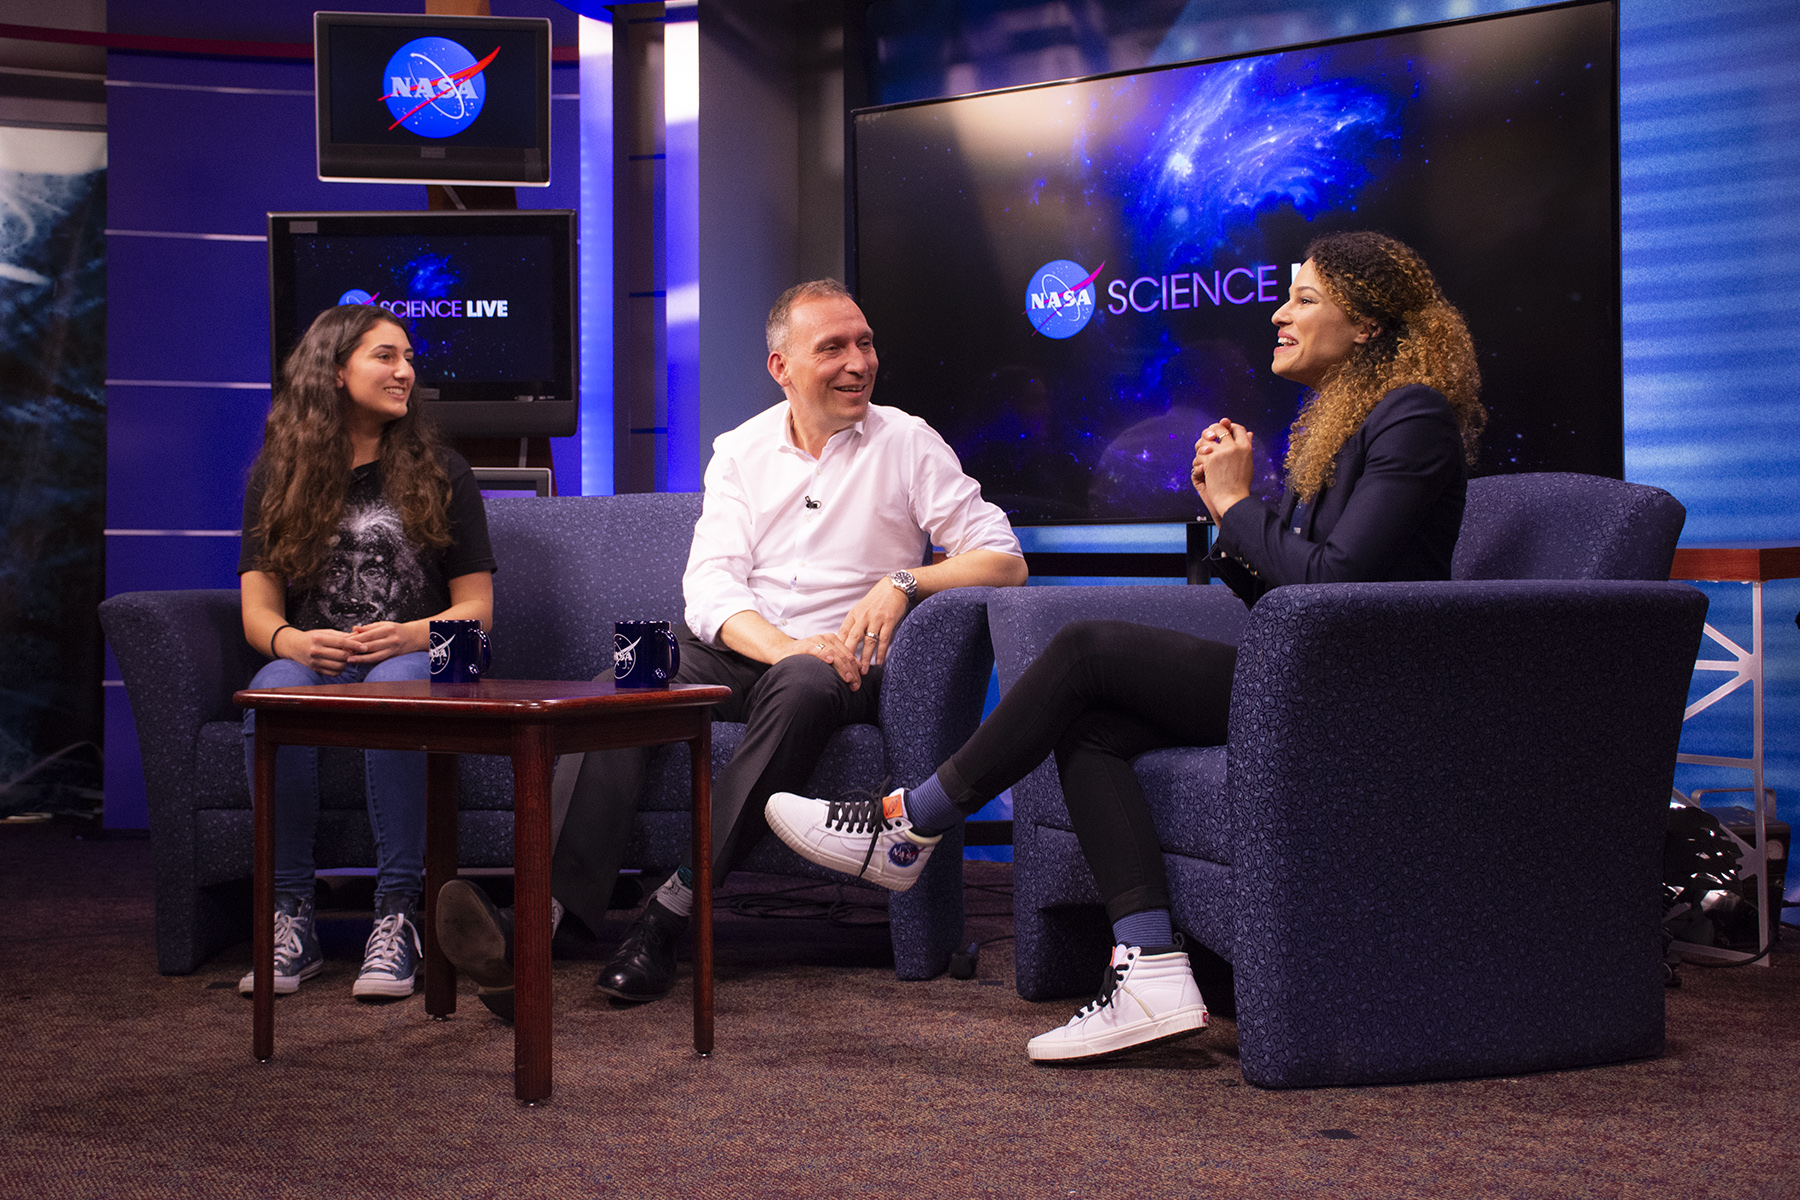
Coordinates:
x,y
783,624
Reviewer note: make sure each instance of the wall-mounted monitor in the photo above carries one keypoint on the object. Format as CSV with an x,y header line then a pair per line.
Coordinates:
x,y
1070,281
432,99
487,298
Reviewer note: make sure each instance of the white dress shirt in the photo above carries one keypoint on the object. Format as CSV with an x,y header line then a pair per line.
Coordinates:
x,y
800,540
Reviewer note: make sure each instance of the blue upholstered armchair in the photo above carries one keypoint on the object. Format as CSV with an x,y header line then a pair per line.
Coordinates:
x,y
1431,847
568,568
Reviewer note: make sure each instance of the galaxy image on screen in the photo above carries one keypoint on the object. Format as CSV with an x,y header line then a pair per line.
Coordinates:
x,y
1071,281
475,308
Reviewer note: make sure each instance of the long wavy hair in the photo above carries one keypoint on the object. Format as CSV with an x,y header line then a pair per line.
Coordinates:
x,y
1421,339
305,459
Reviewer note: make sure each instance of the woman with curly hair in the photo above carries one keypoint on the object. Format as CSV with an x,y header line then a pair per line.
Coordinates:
x,y
360,528
1376,478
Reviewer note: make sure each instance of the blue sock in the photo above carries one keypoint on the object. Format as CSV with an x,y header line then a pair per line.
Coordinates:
x,y
930,809
1148,928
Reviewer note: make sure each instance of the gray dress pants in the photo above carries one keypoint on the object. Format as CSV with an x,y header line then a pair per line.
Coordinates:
x,y
791,709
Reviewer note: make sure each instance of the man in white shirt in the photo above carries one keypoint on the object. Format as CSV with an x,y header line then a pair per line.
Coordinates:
x,y
817,514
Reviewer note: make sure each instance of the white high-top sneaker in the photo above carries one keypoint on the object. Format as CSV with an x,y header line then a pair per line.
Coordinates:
x,y
862,835
1145,998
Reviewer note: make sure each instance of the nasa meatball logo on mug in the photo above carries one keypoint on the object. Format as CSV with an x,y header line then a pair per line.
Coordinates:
x,y
644,654
459,651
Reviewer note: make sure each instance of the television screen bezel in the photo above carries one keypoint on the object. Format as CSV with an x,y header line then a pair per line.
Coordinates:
x,y
464,166
1617,451
458,418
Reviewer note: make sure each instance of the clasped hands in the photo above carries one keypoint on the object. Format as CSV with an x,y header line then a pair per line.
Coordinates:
x,y
1223,466
329,651
862,640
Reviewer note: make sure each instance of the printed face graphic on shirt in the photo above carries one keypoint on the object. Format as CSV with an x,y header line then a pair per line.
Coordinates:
x,y
371,572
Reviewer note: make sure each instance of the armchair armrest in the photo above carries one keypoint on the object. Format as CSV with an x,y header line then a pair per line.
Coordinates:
x,y
1023,620
1426,780
182,654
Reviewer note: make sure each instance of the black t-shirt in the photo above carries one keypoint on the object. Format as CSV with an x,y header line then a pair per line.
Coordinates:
x,y
372,573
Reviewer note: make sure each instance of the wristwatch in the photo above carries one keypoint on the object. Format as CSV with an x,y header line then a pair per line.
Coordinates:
x,y
905,581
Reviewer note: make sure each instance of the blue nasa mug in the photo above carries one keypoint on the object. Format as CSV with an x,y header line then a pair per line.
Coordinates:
x,y
459,651
644,654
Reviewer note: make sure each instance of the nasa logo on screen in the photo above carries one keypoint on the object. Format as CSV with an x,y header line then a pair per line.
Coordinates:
x,y
357,296
1059,302
434,87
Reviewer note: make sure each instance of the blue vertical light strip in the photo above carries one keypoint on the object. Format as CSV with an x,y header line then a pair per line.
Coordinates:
x,y
681,199
595,257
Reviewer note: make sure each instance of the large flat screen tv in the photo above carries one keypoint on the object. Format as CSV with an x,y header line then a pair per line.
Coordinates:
x,y
487,298
432,99
1069,281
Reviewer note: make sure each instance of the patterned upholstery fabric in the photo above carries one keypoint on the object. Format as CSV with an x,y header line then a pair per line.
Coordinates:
x,y
1430,849
1555,525
570,567
1447,858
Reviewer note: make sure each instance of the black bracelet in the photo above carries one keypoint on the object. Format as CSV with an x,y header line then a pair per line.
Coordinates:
x,y
275,635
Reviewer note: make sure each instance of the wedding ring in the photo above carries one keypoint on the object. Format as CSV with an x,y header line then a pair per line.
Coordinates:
x,y
867,636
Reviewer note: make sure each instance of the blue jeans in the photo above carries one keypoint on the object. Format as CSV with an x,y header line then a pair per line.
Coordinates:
x,y
395,778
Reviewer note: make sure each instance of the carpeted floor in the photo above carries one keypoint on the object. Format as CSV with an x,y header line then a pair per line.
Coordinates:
x,y
830,1079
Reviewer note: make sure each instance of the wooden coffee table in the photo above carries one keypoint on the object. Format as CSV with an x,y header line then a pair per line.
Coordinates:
x,y
532,722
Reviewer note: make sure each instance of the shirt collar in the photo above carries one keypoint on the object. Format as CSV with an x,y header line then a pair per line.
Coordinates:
x,y
787,430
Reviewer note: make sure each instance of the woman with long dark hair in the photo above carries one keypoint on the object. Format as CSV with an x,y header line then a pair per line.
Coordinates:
x,y
360,528
1376,479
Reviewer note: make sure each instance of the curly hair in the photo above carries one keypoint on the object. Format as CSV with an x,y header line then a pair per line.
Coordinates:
x,y
306,452
1420,338
778,326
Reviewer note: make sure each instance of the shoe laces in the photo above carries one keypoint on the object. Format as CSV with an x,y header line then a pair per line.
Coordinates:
x,y
387,944
1110,980
859,812
289,945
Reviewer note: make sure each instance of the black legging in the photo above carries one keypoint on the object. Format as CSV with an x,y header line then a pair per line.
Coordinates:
x,y
1102,693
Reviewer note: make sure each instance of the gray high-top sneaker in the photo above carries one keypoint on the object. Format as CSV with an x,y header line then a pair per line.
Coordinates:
x,y
391,958
297,953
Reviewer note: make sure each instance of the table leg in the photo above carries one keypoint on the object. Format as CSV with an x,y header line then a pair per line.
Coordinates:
x,y
700,770
440,868
262,902
531,912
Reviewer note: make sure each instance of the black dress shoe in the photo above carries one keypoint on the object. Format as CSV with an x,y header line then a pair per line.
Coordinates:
x,y
642,969
498,1001
475,936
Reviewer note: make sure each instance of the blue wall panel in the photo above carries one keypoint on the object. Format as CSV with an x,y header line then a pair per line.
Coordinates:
x,y
183,309
216,162
160,475
149,564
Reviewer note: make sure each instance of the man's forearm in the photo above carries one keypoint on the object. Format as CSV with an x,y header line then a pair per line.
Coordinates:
x,y
976,568
750,635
